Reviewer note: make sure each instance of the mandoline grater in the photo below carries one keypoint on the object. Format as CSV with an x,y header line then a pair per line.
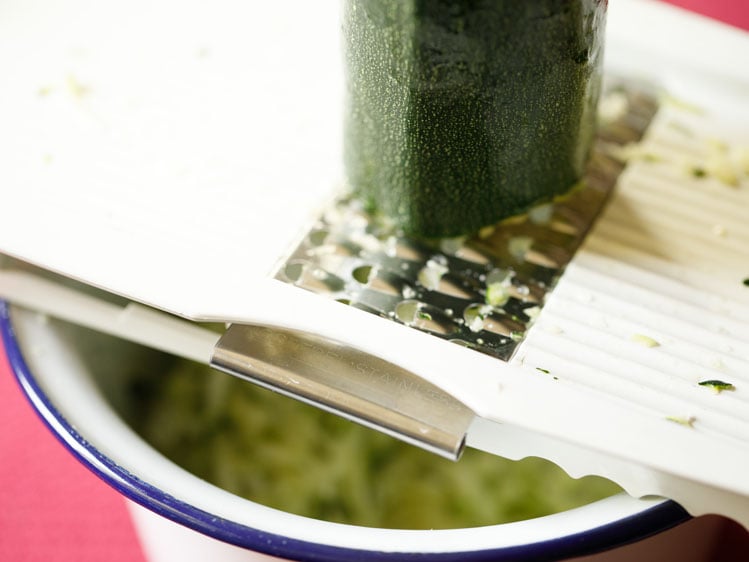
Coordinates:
x,y
604,369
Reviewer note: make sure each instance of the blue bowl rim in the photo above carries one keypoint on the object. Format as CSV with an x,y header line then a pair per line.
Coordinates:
x,y
653,520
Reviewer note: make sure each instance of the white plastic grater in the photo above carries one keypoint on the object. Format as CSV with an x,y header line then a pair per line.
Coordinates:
x,y
73,114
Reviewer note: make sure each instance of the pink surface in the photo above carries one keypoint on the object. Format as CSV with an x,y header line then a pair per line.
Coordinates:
x,y
54,509
734,12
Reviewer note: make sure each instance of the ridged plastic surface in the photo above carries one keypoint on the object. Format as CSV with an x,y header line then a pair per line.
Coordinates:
x,y
656,302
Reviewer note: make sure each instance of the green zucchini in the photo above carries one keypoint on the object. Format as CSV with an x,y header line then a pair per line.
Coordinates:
x,y
460,113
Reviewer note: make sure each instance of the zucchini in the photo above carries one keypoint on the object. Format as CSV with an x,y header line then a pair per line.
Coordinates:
x,y
460,113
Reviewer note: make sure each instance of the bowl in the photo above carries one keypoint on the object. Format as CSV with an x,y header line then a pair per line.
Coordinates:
x,y
75,380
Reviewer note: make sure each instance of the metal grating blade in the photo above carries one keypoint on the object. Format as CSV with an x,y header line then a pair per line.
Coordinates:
x,y
482,291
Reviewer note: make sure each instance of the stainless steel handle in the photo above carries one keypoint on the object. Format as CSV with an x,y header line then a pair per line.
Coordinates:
x,y
348,382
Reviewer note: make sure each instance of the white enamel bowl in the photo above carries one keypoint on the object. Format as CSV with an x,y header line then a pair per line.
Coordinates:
x,y
74,379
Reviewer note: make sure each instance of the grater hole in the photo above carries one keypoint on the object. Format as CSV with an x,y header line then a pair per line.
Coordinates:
x,y
537,257
526,293
342,250
406,252
484,319
452,287
491,324
322,281
386,285
362,274
313,278
294,271
472,255
503,325
564,227
424,317
474,316
318,237
405,311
